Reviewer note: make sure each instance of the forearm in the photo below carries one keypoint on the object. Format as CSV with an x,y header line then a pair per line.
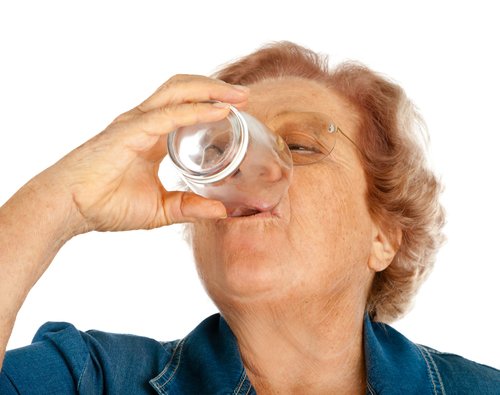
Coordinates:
x,y
109,183
34,224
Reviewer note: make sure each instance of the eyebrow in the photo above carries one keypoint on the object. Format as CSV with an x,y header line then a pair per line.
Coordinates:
x,y
310,116
315,125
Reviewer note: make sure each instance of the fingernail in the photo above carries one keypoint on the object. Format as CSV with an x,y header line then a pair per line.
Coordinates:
x,y
242,88
219,104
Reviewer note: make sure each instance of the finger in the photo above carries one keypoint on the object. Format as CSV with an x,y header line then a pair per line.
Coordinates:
x,y
181,207
193,88
163,120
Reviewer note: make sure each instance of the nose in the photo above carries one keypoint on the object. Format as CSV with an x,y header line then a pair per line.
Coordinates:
x,y
260,170
271,172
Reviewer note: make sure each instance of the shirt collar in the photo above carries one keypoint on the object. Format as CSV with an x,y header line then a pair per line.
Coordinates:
x,y
208,361
394,363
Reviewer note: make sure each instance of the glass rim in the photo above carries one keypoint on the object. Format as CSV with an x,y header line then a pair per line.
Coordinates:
x,y
241,140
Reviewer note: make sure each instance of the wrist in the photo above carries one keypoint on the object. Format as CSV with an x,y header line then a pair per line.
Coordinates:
x,y
49,202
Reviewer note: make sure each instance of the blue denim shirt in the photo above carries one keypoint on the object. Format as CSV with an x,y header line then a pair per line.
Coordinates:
x,y
63,360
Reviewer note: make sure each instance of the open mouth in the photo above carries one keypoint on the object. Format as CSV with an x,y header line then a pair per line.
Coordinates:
x,y
252,212
254,208
245,212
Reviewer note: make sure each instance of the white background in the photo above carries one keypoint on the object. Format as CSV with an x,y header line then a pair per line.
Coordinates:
x,y
67,69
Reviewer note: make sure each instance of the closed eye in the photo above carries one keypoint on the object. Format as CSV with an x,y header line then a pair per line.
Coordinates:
x,y
302,149
302,143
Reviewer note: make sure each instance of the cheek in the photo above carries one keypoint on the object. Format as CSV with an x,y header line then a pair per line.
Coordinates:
x,y
330,216
319,200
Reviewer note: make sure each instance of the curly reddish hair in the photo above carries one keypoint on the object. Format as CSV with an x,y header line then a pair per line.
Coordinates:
x,y
402,192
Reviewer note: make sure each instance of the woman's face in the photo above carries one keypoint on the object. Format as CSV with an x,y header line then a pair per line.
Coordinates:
x,y
321,242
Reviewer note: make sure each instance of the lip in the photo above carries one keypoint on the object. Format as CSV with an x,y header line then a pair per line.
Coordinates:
x,y
263,214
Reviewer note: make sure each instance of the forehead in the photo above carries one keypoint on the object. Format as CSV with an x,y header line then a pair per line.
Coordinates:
x,y
271,97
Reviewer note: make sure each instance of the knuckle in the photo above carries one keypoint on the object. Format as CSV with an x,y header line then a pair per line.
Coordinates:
x,y
197,110
174,82
141,109
169,115
178,79
119,118
196,107
126,116
168,111
181,77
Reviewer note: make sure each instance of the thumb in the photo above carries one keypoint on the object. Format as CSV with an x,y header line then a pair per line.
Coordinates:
x,y
187,207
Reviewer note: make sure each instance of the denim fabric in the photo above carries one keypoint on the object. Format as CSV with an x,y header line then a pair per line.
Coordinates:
x,y
63,360
395,365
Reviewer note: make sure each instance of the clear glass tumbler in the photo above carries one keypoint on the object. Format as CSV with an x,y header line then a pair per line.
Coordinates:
x,y
237,160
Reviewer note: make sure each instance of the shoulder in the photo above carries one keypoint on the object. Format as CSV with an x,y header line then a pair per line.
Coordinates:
x,y
458,372
63,359
395,363
107,345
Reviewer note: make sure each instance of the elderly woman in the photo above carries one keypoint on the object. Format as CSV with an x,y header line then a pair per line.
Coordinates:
x,y
305,292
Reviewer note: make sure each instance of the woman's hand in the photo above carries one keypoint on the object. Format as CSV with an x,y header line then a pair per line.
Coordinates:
x,y
112,179
109,183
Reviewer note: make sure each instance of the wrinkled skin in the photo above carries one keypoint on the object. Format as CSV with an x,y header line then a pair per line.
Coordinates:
x,y
303,273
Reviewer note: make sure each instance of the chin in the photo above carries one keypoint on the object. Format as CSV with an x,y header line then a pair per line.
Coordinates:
x,y
251,277
248,260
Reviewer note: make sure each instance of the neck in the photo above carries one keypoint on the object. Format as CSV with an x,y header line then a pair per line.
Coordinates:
x,y
305,347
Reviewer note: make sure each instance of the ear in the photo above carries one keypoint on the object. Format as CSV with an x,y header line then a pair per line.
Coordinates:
x,y
385,245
